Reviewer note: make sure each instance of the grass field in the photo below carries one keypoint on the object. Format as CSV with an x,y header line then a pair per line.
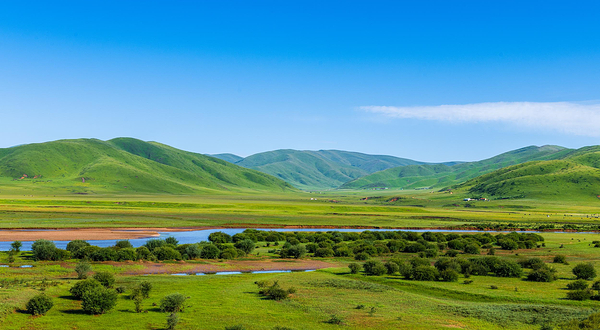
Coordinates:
x,y
217,301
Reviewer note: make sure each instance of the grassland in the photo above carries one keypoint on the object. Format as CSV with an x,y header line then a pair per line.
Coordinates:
x,y
218,301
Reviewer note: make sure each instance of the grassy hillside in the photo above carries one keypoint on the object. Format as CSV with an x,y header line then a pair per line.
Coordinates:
x,y
228,157
442,175
122,165
323,169
575,177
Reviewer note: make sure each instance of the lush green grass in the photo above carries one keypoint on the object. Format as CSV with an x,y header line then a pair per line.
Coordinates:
x,y
218,301
124,165
441,175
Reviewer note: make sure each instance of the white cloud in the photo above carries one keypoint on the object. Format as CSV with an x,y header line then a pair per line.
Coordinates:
x,y
566,117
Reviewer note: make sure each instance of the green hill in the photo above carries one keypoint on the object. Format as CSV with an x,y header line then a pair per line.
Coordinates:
x,y
228,157
123,165
442,175
574,177
323,169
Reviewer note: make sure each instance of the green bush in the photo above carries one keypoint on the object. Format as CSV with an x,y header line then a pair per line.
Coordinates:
x,y
229,253
362,256
172,303
424,273
324,253
585,271
219,237
544,274
81,287
210,251
579,294
171,240
123,244
452,253
39,305
16,246
392,267
77,244
577,285
374,267
246,245
507,268
82,269
143,253
105,278
43,250
354,268
125,254
98,300
172,321
471,248
166,253
294,251
560,259
449,275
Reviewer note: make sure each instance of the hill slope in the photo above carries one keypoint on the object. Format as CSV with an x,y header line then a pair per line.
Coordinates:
x,y
228,157
442,175
576,176
323,169
124,165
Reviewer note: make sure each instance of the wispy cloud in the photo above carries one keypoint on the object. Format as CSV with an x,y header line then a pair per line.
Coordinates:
x,y
566,117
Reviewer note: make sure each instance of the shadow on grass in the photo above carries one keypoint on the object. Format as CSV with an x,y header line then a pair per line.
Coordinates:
x,y
74,312
22,311
68,297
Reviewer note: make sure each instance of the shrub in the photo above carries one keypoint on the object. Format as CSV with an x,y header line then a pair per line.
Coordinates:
x,y
374,267
105,278
507,268
39,305
77,244
219,237
508,244
166,253
171,240
143,253
82,269
392,267
579,294
126,254
324,253
577,285
560,259
424,273
43,250
16,246
120,289
335,319
105,254
123,244
354,268
246,245
584,271
145,288
229,253
172,321
471,248
172,303
452,253
210,251
98,300
362,256
294,251
193,251
544,274
449,275
532,263
152,244
84,286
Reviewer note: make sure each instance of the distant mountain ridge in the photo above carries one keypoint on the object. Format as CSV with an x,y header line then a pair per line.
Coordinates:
x,y
125,165
441,175
322,169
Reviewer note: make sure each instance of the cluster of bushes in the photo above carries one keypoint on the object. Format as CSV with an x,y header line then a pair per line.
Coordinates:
x,y
444,269
96,293
154,249
580,288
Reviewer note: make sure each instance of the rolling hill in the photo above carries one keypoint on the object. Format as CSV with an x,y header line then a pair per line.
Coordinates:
x,y
228,157
323,169
576,176
124,165
443,175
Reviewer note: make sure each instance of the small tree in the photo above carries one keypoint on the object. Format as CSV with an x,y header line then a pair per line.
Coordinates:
x,y
560,259
172,303
137,300
354,268
82,269
105,278
449,275
210,251
392,267
172,321
123,244
16,246
43,250
577,285
39,304
585,271
145,288
171,240
374,267
98,300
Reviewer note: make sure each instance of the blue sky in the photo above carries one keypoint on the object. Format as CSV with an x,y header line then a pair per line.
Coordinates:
x,y
427,80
